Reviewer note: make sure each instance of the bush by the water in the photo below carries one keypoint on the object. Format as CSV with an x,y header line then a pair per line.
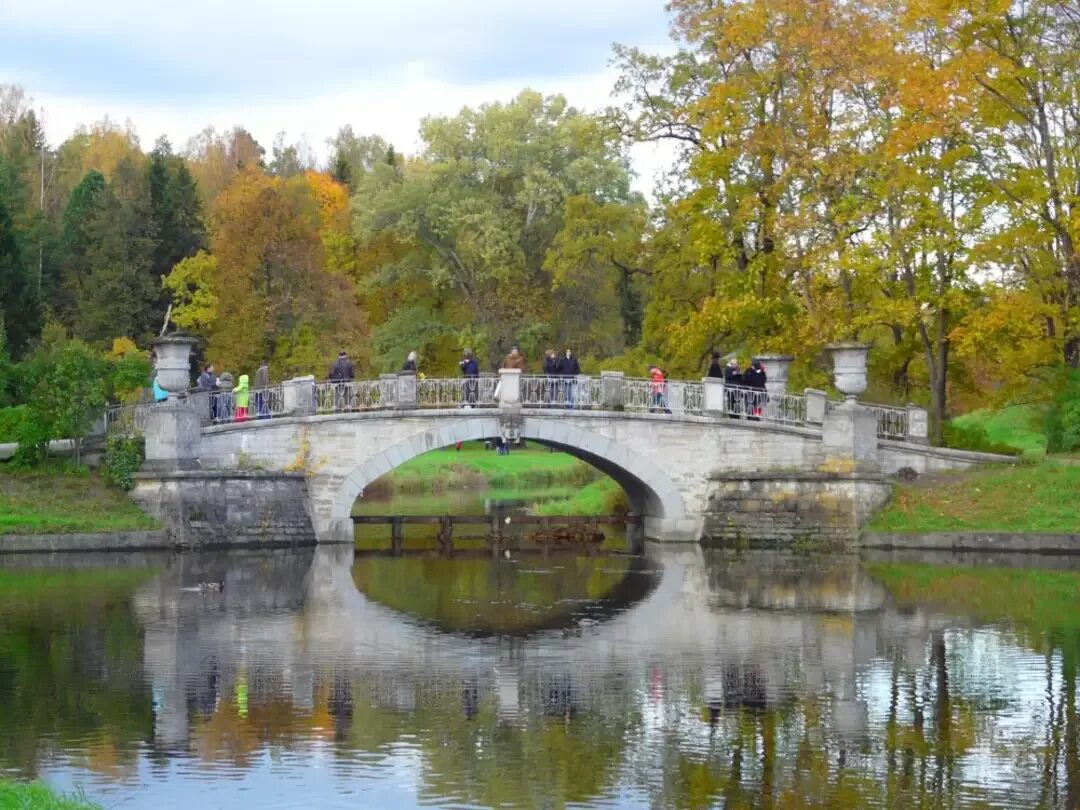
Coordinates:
x,y
973,436
1063,419
122,459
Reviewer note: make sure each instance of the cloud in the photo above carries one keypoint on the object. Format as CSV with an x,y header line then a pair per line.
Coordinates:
x,y
309,68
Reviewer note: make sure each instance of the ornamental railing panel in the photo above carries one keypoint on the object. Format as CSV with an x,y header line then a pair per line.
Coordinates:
x,y
336,396
126,421
459,392
580,392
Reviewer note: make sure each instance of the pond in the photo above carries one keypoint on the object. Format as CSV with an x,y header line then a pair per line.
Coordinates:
x,y
681,678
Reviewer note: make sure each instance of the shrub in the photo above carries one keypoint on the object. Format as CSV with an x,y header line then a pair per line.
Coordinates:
x,y
10,420
1063,419
122,459
973,437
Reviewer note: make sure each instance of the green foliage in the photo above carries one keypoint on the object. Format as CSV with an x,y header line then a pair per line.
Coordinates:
x,y
11,419
67,396
973,436
1063,419
122,459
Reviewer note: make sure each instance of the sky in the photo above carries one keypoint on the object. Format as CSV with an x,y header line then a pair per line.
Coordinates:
x,y
307,67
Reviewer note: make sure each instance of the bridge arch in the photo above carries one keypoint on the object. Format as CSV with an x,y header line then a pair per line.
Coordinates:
x,y
650,492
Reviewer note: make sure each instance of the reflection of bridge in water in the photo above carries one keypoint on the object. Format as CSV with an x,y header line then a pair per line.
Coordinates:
x,y
294,623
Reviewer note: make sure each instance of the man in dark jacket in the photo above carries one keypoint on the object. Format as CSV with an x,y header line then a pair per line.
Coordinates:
x,y
341,374
471,369
570,367
733,379
261,394
754,378
716,369
550,384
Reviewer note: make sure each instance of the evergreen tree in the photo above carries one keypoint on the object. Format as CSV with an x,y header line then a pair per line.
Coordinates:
x,y
175,210
19,305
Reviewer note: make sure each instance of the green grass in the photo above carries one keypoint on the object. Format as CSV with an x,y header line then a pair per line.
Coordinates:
x,y
603,497
57,499
1043,497
36,796
1041,601
473,466
1018,426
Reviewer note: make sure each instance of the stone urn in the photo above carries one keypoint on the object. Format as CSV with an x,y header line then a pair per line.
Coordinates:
x,y
174,362
849,367
776,371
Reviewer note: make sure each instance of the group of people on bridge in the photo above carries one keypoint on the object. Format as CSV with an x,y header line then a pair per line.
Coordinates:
x,y
244,398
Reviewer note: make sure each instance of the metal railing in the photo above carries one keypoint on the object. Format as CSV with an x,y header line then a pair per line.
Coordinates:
x,y
892,422
455,392
580,392
126,420
355,395
263,403
670,396
741,402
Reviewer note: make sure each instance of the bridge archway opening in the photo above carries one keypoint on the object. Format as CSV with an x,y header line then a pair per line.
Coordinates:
x,y
650,493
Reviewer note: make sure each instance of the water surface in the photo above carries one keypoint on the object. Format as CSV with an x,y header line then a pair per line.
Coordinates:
x,y
684,678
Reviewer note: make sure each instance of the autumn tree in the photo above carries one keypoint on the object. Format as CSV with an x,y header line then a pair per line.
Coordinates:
x,y
264,291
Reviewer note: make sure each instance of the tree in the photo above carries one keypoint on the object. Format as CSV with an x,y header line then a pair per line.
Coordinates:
x,y
352,156
19,304
265,292
67,397
110,288
175,209
482,206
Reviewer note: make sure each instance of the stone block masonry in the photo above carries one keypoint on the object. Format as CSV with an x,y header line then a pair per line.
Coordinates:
x,y
786,509
202,508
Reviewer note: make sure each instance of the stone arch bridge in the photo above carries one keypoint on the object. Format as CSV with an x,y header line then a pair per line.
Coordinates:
x,y
801,466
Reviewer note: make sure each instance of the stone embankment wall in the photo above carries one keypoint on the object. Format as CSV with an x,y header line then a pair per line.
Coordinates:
x,y
201,508
791,509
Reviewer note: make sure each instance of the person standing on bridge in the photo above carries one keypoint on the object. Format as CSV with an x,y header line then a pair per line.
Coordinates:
x,y
570,368
733,380
242,397
341,374
515,359
716,370
658,387
410,363
551,371
208,382
471,370
755,378
262,394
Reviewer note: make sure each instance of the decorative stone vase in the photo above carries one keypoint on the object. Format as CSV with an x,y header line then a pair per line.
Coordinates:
x,y
776,371
849,367
174,362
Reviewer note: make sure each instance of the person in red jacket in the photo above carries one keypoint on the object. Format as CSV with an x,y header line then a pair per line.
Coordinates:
x,y
659,390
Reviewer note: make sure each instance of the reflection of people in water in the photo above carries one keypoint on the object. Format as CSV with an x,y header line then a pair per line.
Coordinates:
x,y
559,699
340,704
205,697
744,686
470,698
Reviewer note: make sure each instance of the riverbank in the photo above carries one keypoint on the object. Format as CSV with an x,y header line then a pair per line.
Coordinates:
x,y
37,796
601,497
1036,498
59,499
1036,600
475,467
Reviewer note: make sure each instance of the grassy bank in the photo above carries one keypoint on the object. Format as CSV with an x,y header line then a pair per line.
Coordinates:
x,y
602,497
1017,426
1043,497
59,499
474,466
1040,601
37,796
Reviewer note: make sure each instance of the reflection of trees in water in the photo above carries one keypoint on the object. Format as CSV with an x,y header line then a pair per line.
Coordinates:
x,y
740,726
